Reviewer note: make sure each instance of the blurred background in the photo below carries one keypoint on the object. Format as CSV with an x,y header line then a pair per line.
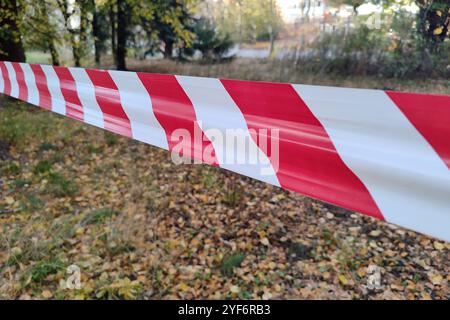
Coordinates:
x,y
388,38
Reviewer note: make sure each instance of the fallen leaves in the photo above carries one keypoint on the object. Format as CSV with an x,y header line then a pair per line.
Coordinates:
x,y
46,294
435,278
139,227
9,200
438,245
343,279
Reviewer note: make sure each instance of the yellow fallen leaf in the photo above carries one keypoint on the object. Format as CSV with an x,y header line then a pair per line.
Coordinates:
x,y
343,279
437,31
439,13
183,287
438,245
426,296
9,200
435,279
195,242
265,241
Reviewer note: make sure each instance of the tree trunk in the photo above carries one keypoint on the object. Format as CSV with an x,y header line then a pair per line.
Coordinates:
x,y
74,41
168,49
112,21
121,34
84,10
11,48
75,48
50,36
95,33
272,42
53,52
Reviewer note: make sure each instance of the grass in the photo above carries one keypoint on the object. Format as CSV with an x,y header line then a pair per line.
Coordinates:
x,y
42,167
38,57
44,268
60,186
99,216
284,71
18,128
230,263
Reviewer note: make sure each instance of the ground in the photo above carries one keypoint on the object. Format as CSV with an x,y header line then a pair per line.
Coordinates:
x,y
139,226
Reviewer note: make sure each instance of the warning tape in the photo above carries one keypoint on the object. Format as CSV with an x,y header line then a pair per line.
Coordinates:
x,y
382,153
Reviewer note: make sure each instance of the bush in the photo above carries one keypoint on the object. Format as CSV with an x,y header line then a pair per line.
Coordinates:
x,y
210,42
393,50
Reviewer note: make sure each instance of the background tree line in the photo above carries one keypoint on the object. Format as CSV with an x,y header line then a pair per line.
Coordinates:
x,y
174,28
181,29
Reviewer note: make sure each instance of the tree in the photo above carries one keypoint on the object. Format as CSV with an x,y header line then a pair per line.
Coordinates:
x,y
40,32
11,47
166,25
433,22
96,31
209,41
249,20
122,32
172,20
68,11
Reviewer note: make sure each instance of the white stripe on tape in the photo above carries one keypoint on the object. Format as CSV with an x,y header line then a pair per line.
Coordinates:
x,y
30,81
58,102
137,105
405,176
216,112
86,93
13,80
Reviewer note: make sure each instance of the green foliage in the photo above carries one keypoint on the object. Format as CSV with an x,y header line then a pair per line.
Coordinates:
x,y
231,262
162,26
45,268
249,20
60,186
433,21
11,47
17,129
392,50
40,27
10,168
212,45
99,216
42,167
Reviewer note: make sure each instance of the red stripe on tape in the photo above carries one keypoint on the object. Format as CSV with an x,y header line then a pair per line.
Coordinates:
x,y
45,99
6,80
308,160
108,98
68,87
430,115
174,110
23,90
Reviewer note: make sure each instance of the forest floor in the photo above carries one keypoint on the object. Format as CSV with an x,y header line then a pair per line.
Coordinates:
x,y
138,226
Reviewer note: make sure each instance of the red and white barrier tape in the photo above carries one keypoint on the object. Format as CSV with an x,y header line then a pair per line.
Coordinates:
x,y
385,154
